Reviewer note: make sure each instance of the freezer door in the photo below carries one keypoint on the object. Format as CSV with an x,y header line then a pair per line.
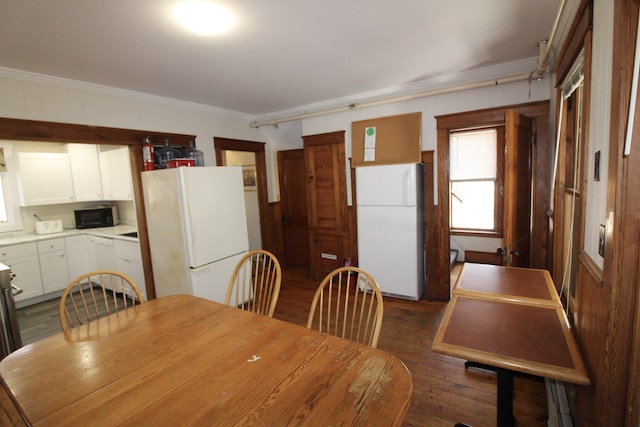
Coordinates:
x,y
215,214
388,185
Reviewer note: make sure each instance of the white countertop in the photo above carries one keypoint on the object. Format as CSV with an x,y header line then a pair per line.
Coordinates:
x,y
110,232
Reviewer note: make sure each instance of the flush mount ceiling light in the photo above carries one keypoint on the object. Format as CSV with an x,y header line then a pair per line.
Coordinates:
x,y
203,17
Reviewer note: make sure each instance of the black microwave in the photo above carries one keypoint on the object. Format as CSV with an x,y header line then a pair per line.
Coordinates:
x,y
101,216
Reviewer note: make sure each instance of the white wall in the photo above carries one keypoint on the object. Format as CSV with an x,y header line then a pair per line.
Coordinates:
x,y
599,126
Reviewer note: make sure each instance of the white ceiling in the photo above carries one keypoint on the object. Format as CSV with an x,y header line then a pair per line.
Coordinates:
x,y
280,55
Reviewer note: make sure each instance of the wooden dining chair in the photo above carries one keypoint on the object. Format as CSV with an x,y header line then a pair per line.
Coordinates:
x,y
255,283
348,304
95,295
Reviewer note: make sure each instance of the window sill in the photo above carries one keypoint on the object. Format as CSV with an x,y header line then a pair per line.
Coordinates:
x,y
476,233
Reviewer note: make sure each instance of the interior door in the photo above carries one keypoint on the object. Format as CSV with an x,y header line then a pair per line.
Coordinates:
x,y
517,190
293,205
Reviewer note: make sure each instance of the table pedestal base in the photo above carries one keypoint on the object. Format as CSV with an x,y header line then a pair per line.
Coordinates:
x,y
505,416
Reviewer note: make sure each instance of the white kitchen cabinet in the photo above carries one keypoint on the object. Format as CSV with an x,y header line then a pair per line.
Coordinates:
x,y
85,170
24,263
44,179
78,260
115,171
129,262
53,264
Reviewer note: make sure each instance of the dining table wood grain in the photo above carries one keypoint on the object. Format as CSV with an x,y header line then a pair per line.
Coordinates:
x,y
183,360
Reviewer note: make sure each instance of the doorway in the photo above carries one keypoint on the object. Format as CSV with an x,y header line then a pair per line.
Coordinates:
x,y
251,157
538,245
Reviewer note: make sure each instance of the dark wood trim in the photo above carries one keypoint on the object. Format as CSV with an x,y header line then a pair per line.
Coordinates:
x,y
269,241
570,51
336,137
430,251
33,130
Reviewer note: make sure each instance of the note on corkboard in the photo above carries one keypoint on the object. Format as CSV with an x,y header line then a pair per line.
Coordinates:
x,y
393,140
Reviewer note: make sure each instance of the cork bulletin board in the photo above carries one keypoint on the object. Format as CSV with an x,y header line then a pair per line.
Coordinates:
x,y
398,139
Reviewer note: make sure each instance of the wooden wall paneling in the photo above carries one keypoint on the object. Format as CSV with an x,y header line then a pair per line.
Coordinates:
x,y
431,251
398,140
541,153
622,245
275,225
590,320
439,282
492,258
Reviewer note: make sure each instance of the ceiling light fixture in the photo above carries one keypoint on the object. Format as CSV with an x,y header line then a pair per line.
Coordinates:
x,y
203,17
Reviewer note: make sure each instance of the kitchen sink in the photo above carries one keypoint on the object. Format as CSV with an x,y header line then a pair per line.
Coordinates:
x,y
132,234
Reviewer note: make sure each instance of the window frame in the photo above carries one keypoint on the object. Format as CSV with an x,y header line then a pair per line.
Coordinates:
x,y
498,188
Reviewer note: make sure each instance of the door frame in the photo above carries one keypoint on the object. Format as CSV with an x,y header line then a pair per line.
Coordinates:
x,y
34,130
439,280
221,144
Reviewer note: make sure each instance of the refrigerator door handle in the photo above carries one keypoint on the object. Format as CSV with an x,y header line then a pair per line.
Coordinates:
x,y
200,268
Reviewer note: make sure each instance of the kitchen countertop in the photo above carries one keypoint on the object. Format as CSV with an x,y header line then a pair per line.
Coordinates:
x,y
114,232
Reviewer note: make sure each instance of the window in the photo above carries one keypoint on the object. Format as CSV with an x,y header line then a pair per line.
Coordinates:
x,y
10,217
475,165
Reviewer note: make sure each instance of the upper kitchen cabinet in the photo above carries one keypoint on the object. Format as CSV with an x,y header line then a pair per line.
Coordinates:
x,y
44,179
115,170
85,169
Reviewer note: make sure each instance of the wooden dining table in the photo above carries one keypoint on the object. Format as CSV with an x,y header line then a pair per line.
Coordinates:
x,y
510,319
183,360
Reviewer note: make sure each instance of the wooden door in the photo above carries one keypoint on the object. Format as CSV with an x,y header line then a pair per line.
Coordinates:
x,y
329,234
326,180
517,190
293,206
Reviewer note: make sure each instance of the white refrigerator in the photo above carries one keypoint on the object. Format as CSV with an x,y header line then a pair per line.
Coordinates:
x,y
197,228
390,216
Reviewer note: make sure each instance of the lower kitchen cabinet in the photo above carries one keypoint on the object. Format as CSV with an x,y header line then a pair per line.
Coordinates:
x,y
129,262
24,263
53,265
78,261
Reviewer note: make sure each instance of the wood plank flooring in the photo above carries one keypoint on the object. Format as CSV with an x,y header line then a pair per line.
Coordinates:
x,y
444,392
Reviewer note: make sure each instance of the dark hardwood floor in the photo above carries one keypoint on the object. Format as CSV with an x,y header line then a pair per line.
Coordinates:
x,y
444,392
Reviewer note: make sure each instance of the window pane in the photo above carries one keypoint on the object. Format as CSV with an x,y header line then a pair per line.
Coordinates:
x,y
472,205
473,155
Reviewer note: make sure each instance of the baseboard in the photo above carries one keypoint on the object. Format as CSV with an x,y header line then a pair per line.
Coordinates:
x,y
557,404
